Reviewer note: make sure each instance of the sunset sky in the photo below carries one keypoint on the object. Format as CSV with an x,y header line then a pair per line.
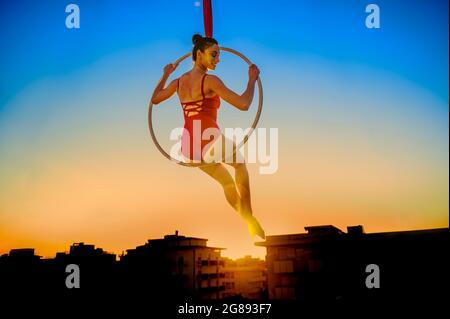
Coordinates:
x,y
362,118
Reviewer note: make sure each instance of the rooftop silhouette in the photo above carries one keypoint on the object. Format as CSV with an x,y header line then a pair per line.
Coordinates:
x,y
324,265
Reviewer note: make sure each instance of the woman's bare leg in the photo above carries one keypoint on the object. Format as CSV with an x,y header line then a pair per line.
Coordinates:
x,y
241,201
243,186
221,174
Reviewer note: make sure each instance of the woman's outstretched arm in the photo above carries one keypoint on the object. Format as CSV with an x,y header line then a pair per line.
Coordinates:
x,y
243,101
161,94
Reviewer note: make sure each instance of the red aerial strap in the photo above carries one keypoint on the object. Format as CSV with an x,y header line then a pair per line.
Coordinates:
x,y
207,18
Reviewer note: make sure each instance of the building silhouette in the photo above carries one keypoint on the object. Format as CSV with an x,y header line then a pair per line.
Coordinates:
x,y
98,267
245,277
324,266
21,267
328,266
175,266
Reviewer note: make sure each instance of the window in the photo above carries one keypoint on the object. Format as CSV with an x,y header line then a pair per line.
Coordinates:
x,y
229,285
283,266
286,253
284,293
299,252
180,264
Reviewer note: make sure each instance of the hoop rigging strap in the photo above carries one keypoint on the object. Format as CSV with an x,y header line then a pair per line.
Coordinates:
x,y
207,18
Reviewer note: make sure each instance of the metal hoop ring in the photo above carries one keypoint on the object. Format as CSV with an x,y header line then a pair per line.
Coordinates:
x,y
255,121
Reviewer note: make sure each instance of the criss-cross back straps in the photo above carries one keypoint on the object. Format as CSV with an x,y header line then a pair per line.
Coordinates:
x,y
194,107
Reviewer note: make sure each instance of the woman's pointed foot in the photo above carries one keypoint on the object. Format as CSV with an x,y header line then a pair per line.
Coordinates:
x,y
254,227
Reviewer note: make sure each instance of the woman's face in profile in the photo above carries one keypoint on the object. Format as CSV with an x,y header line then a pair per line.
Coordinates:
x,y
210,57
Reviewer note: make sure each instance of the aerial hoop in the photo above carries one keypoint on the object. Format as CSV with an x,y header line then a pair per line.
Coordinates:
x,y
246,137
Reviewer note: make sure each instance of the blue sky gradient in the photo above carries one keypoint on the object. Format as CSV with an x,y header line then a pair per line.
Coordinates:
x,y
411,42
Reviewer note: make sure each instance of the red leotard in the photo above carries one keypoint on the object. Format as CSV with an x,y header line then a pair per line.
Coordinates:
x,y
204,111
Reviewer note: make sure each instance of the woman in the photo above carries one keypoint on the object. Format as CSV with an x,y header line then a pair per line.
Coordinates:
x,y
200,94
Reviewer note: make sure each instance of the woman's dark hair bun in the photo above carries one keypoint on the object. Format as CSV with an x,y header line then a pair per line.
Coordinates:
x,y
196,38
201,43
